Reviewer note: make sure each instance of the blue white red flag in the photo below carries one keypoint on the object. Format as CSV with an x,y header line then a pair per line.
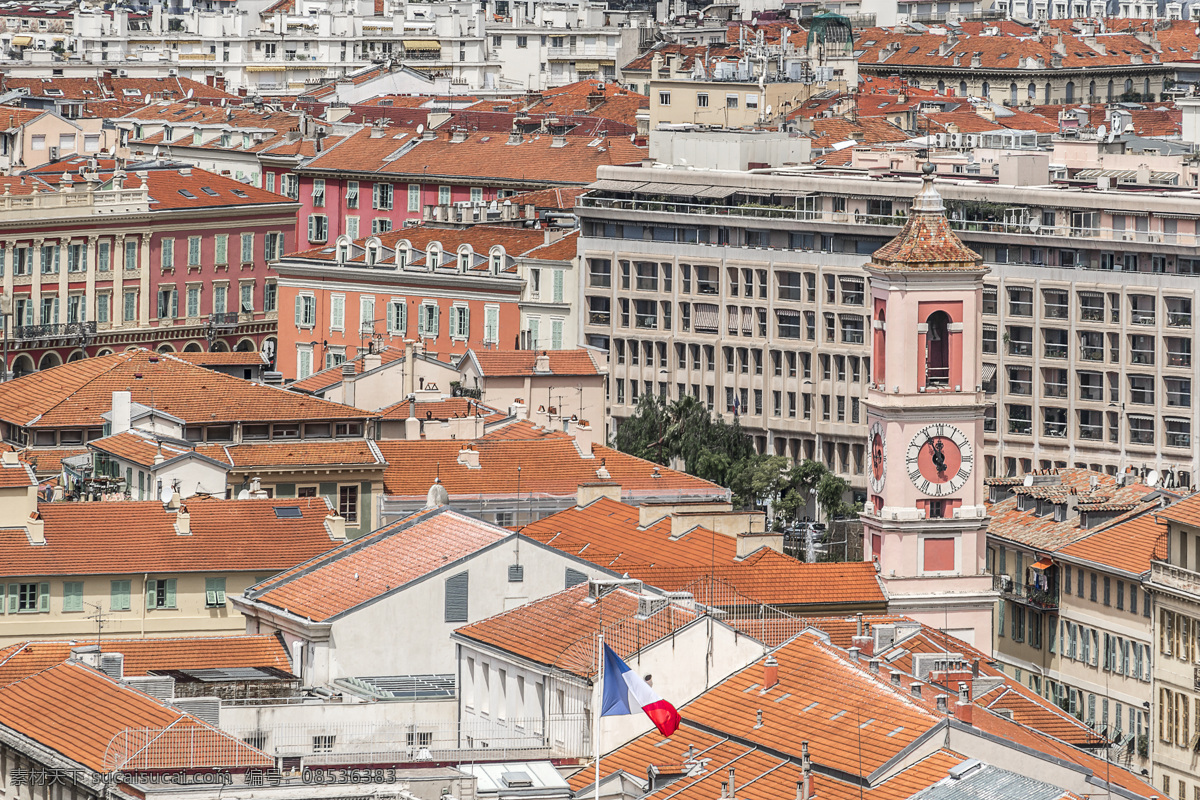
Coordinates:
x,y
624,691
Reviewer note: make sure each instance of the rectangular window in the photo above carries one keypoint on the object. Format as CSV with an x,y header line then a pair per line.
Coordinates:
x,y
131,254
269,295
221,255
348,503
247,298
130,306
273,245
558,286
193,251
318,192
49,259
103,308
214,592
443,195
460,325
366,315
220,299
491,324
352,227
457,600
103,257
167,248
352,194
427,321
382,196
414,197
118,597
247,248
160,593
397,317
306,311
318,228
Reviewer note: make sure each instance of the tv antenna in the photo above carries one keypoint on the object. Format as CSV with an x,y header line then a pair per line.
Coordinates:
x,y
100,616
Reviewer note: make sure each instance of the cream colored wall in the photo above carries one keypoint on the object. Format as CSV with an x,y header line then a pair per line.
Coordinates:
x,y
189,618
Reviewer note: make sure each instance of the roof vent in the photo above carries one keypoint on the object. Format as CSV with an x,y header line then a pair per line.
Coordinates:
x,y
113,665
517,780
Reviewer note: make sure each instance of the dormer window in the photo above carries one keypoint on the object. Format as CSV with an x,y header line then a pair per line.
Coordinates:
x,y
373,250
464,260
434,258
403,255
497,262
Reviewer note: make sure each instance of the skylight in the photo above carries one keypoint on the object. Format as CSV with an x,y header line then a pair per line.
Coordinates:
x,y
187,194
288,512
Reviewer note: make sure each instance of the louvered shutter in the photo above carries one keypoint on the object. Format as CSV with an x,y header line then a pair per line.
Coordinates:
x,y
170,593
43,597
456,597
151,591
575,577
299,311
558,285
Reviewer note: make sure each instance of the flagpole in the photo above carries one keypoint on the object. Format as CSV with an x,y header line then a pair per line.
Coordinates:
x,y
599,701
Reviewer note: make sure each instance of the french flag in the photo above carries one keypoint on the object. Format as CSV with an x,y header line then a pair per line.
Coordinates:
x,y
624,691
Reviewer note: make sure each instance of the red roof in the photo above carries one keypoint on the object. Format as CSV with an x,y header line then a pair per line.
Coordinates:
x,y
515,363
446,408
77,393
13,476
1128,546
80,713
701,561
119,538
926,243
380,563
143,656
560,630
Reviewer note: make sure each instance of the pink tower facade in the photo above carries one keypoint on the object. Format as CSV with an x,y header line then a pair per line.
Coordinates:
x,y
925,522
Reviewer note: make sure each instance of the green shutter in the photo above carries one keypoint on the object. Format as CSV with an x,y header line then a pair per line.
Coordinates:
x,y
299,311
214,591
14,594
221,591
151,587
72,596
43,597
558,285
170,593
119,596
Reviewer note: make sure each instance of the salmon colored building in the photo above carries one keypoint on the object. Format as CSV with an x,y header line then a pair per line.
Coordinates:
x,y
453,289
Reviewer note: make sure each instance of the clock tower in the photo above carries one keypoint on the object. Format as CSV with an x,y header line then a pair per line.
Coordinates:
x,y
925,523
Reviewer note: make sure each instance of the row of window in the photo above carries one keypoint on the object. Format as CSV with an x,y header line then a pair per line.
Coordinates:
x,y
1178,720
1142,349
1177,311
50,312
382,194
48,258
732,99
1092,425
396,317
740,282
1179,636
1055,383
35,597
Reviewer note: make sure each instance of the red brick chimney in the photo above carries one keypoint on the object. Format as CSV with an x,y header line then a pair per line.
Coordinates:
x,y
770,673
966,709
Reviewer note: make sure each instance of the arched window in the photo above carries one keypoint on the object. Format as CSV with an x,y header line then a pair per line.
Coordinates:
x,y
986,89
1012,93
343,249
434,257
374,250
497,260
1031,90
941,87
1146,90
879,362
1047,88
1091,92
1069,92
1128,85
1111,91
403,253
464,258
937,349
962,88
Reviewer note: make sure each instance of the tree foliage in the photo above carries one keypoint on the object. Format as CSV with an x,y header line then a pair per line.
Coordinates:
x,y
686,434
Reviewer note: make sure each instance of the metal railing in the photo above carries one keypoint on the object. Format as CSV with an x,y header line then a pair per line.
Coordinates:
x,y
179,746
225,319
63,330
1029,593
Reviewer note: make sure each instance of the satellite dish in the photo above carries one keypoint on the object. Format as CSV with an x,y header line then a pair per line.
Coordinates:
x,y
165,495
244,494
1101,132
148,101
1153,478
1028,481
189,94
420,129
1034,224
154,153
768,109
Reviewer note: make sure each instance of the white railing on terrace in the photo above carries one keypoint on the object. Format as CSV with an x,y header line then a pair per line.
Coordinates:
x,y
767,211
1175,577
102,200
535,504
473,739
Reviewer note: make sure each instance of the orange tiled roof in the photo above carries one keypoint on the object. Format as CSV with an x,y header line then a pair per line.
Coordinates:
x,y
537,158
233,358
142,448
523,429
560,630
1043,533
869,130
47,461
13,476
551,464
560,198
332,376
926,243
512,363
77,394
143,656
1128,546
13,117
382,562
446,408
309,453
77,711
608,534
118,538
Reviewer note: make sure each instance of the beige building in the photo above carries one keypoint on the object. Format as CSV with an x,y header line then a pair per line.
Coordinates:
x,y
560,389
30,138
1071,554
142,569
1175,584
728,104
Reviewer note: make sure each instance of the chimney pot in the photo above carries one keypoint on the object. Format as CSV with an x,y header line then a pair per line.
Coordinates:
x,y
915,688
183,521
854,654
770,673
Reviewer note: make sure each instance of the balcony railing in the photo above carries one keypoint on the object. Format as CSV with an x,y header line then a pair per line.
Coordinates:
x,y
1141,317
66,330
1093,433
1172,576
1091,313
1179,359
1056,311
1087,353
1023,427
1027,593
1056,390
1055,350
1055,430
225,319
1178,319
1094,393
648,321
1020,348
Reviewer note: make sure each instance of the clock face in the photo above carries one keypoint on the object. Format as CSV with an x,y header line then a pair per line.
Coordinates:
x,y
939,459
878,457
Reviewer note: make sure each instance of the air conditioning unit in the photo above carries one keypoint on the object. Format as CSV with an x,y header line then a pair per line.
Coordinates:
x,y
122,73
53,153
172,73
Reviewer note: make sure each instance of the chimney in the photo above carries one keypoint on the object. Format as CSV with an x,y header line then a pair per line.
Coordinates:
x,y
770,673
915,688
541,363
349,374
372,361
941,703
183,521
732,785
9,458
175,500
558,141
854,654
158,454
469,457
805,785
965,710
35,528
865,644
256,490
122,403
873,665
336,526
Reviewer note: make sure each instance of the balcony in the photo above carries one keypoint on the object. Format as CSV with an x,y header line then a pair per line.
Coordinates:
x,y
1087,353
1092,433
1171,576
1091,313
647,321
1028,594
1056,389
226,320
1018,347
1179,319
66,330
1021,427
1055,350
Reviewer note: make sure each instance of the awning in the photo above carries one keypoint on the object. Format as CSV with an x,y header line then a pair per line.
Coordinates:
x,y
1043,564
989,372
22,41
616,186
707,315
789,313
587,66
265,68
422,44
717,191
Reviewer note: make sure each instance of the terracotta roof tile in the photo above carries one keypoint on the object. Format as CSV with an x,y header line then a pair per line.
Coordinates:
x,y
560,630
443,409
1128,546
332,376
153,655
560,198
47,461
333,453
926,243
550,464
79,392
608,534
234,358
379,563
14,476
77,712
126,537
142,448
512,363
